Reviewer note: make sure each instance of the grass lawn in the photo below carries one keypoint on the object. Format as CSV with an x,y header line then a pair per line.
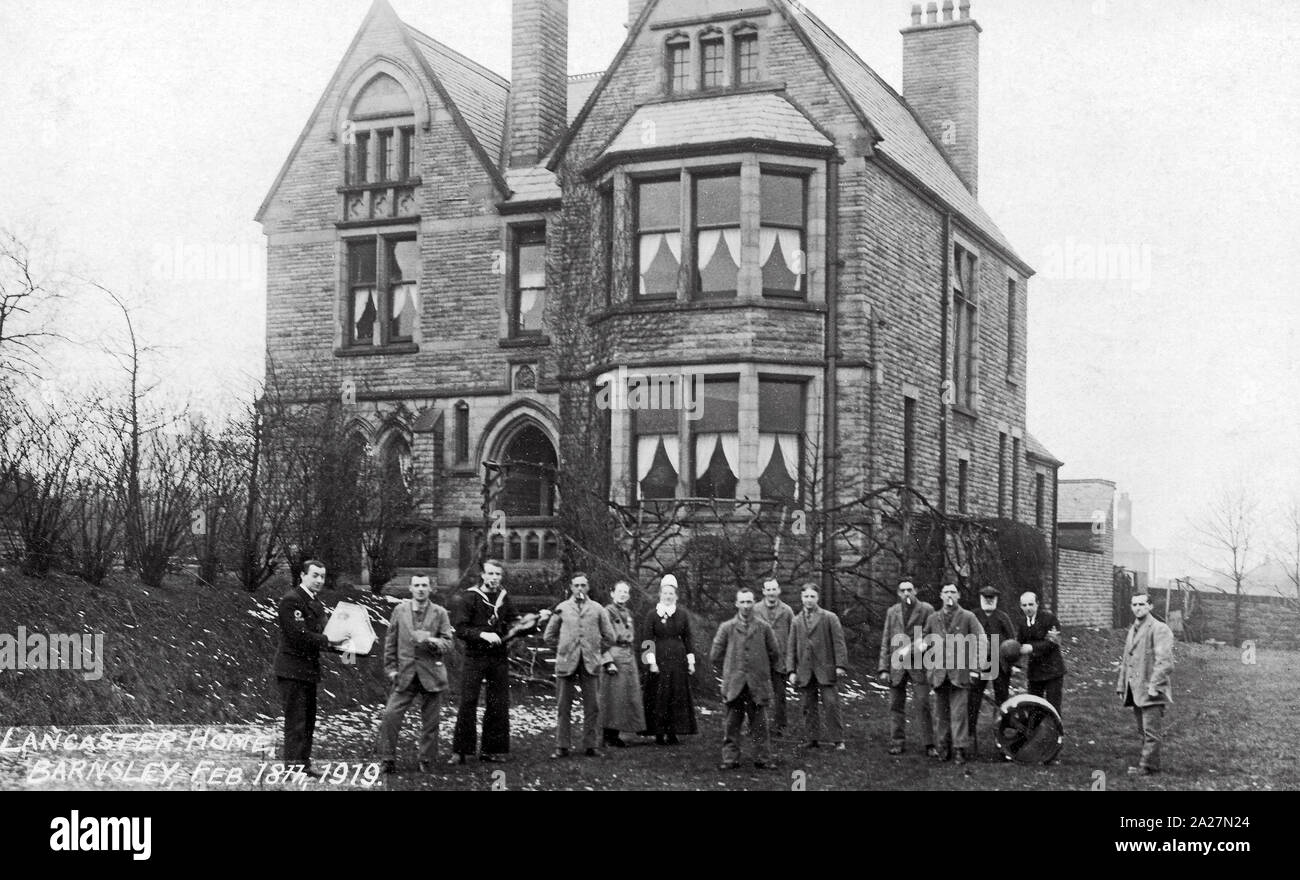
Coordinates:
x,y
186,655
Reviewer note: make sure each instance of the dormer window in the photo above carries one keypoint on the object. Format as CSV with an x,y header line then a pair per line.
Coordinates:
x,y
745,41
679,63
713,63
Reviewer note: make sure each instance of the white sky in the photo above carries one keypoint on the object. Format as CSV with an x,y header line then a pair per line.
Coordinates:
x,y
138,134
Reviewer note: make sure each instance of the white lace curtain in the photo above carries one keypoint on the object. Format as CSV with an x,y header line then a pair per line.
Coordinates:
x,y
360,297
708,244
789,445
705,444
646,447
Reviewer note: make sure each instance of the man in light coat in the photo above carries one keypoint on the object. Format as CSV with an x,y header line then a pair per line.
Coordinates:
x,y
956,638
419,636
1144,681
779,616
817,658
904,623
747,649
581,634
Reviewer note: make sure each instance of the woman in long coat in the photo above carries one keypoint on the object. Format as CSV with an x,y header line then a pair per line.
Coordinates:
x,y
620,687
671,660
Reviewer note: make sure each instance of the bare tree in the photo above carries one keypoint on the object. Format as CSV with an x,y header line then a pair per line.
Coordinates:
x,y
1227,532
1289,544
26,296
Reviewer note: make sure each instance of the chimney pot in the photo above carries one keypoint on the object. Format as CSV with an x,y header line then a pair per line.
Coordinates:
x,y
916,15
965,10
947,10
931,13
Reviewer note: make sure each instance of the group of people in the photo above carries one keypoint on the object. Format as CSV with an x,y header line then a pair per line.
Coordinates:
x,y
762,648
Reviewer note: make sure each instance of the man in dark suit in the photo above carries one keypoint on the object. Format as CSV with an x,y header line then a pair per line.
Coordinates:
x,y
297,662
818,658
1039,635
481,617
999,628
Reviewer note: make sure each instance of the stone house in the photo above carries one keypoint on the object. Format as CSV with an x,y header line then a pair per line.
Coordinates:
x,y
738,207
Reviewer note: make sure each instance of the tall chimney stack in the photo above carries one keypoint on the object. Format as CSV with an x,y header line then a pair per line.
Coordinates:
x,y
941,66
539,78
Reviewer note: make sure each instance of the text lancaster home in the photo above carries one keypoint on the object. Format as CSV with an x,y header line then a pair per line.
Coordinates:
x,y
738,202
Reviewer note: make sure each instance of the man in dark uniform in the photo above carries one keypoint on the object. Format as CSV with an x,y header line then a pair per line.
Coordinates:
x,y
1039,635
297,662
481,617
999,628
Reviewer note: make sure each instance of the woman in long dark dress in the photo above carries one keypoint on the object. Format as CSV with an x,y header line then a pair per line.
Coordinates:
x,y
669,710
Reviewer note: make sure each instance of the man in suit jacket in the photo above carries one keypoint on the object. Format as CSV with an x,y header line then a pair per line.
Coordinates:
x,y
419,636
747,649
999,628
297,662
779,616
817,657
904,624
961,645
582,635
1039,635
1144,683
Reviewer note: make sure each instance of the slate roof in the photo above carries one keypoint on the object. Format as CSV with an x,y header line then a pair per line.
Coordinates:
x,y
532,185
760,116
1077,499
479,94
1033,447
903,138
581,85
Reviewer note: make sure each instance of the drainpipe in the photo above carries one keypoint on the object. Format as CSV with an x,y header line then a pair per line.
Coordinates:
x,y
830,398
944,298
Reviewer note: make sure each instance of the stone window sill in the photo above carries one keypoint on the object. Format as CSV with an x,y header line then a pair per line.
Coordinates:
x,y
375,350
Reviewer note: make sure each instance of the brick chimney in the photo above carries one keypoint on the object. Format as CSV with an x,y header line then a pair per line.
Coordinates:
x,y
941,67
539,78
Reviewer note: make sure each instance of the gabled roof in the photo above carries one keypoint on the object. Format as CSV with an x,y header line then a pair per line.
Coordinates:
x,y
1039,451
581,85
702,121
903,138
479,94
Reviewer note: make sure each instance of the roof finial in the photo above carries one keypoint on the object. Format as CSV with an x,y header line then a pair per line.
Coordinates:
x,y
965,9
947,10
916,15
931,12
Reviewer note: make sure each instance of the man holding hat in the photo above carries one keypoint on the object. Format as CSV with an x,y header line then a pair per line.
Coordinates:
x,y
999,629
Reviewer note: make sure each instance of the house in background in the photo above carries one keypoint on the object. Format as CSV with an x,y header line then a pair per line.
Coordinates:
x,y
1086,556
739,199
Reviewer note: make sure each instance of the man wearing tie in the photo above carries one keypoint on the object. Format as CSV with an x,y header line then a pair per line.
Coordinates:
x,y
1039,635
1144,682
582,634
818,658
903,625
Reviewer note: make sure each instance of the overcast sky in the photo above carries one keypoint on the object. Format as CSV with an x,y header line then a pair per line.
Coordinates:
x,y
1161,136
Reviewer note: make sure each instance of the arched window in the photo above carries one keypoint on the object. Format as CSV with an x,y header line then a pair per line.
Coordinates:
x,y
460,429
527,476
382,127
397,463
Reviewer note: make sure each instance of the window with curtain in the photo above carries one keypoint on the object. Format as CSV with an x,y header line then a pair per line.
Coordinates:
x,y
655,451
382,294
717,234
716,441
781,235
780,438
362,293
528,300
659,237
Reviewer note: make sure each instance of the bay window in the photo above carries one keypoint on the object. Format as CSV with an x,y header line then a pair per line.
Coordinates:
x,y
781,234
658,237
655,451
780,438
716,215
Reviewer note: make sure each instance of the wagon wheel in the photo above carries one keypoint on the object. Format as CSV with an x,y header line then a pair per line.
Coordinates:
x,y
1029,730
